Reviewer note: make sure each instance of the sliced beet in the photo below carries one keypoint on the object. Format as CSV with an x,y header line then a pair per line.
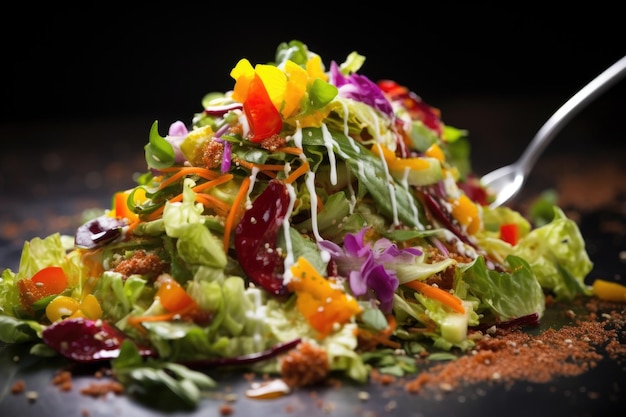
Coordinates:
x,y
255,238
84,340
98,232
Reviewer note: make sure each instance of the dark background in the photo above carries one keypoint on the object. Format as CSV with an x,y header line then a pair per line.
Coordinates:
x,y
95,79
157,62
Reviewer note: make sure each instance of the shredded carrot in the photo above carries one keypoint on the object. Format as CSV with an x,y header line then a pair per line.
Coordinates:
x,y
267,169
179,197
438,294
302,169
290,150
235,211
133,225
136,321
183,171
220,207
260,167
382,337
378,339
217,181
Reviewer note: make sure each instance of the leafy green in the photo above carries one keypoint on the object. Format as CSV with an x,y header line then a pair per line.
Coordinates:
x,y
158,381
159,152
556,253
506,295
370,171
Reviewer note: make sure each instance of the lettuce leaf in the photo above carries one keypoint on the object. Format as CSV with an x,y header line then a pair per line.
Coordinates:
x,y
557,255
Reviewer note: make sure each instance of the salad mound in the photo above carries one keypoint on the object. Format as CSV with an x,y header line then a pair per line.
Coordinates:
x,y
308,215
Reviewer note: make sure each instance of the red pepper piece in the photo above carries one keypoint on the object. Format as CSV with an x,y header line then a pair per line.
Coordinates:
x,y
255,238
264,119
418,109
509,232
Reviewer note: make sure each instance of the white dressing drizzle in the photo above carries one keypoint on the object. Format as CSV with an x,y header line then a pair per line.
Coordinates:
x,y
289,257
346,131
310,185
253,174
297,136
243,120
328,142
405,184
392,191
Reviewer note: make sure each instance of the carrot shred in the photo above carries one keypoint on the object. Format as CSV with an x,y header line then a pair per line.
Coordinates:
x,y
183,171
217,181
437,294
198,188
260,167
267,169
220,207
292,150
302,169
136,321
382,337
235,211
133,225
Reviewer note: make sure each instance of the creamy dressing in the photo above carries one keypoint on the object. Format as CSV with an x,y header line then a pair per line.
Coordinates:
x,y
392,192
253,175
289,257
243,121
297,136
404,181
310,185
329,142
346,131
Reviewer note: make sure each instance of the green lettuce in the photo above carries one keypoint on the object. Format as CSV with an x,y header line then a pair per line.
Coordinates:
x,y
556,253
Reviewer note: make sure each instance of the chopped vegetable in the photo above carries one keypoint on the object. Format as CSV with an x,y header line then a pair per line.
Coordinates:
x,y
438,294
321,302
610,291
509,232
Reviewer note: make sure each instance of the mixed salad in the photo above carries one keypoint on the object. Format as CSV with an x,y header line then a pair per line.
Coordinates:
x,y
307,216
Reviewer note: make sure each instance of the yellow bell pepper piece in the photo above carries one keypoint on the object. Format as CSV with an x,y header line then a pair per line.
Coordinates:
x,y
467,213
61,307
90,308
435,151
323,305
609,291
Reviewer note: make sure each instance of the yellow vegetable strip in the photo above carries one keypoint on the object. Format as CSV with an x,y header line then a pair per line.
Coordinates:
x,y
609,291
323,305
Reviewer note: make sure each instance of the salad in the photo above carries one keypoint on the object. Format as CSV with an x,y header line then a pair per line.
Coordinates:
x,y
308,216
